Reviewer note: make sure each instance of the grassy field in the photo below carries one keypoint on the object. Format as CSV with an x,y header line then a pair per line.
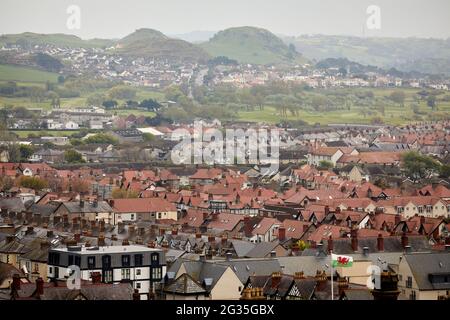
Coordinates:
x,y
141,94
16,73
25,133
393,115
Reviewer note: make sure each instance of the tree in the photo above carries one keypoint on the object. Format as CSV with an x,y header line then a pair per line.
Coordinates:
x,y
72,156
110,104
418,166
149,104
119,193
34,183
431,102
148,137
325,165
122,93
79,185
25,152
95,99
398,97
444,171
101,138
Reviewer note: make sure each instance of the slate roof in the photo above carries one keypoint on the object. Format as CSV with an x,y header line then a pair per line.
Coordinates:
x,y
262,249
250,267
185,285
424,264
74,207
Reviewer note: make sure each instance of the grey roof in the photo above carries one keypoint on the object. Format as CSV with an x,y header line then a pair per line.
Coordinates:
x,y
308,264
12,204
251,267
262,249
74,207
45,210
200,270
185,285
391,244
242,247
121,291
358,294
422,265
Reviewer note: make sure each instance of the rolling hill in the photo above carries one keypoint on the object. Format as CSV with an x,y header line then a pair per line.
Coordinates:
x,y
152,43
252,45
405,54
56,39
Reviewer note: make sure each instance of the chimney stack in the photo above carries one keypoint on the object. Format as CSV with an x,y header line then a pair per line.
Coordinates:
x,y
322,279
39,286
16,282
102,225
281,233
276,279
101,241
354,239
342,285
330,244
380,242
299,275
404,240
77,237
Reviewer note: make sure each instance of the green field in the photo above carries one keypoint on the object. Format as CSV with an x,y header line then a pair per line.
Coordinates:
x,y
394,115
47,133
16,73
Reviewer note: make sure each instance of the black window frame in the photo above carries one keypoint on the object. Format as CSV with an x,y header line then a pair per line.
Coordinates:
x,y
106,262
138,260
91,264
126,260
153,261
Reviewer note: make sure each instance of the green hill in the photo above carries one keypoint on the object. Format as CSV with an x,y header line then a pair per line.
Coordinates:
x,y
56,39
152,43
252,45
405,54
25,74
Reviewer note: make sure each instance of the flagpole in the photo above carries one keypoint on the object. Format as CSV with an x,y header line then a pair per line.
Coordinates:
x,y
331,265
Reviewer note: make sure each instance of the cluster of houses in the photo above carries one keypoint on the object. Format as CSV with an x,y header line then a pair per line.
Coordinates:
x,y
219,233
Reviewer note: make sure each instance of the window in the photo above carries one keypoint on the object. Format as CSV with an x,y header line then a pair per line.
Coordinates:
x,y
138,260
132,216
126,273
91,262
77,261
156,274
53,258
409,282
50,270
159,215
126,260
155,259
107,276
138,285
70,260
413,295
138,272
106,262
420,209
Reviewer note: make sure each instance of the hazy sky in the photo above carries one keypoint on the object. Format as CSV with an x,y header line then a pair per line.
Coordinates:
x,y
114,19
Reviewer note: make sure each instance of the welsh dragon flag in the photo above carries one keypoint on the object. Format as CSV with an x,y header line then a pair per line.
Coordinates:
x,y
341,261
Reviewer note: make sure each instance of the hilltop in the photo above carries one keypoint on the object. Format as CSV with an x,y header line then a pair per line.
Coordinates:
x,y
55,39
252,45
149,42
